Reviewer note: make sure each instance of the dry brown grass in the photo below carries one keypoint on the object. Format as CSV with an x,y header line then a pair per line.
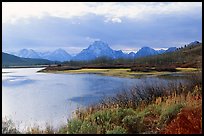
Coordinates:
x,y
188,121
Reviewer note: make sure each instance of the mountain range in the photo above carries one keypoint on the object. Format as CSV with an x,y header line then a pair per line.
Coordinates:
x,y
95,50
57,55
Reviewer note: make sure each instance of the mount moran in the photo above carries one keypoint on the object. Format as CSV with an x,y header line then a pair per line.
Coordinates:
x,y
95,50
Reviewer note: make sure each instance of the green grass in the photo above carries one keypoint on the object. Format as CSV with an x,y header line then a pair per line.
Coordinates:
x,y
117,130
169,112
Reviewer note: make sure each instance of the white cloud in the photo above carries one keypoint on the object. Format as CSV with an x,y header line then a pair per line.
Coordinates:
x,y
128,50
116,20
160,48
113,20
13,11
113,11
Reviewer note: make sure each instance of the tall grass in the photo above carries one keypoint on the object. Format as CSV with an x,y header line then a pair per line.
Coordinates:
x,y
142,109
8,127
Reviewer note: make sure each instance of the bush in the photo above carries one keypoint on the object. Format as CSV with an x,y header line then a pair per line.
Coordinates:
x,y
88,128
117,130
152,109
8,127
170,69
133,124
120,113
74,126
49,129
101,117
141,69
170,112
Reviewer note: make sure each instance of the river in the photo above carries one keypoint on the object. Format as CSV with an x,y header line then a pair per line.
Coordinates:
x,y
31,98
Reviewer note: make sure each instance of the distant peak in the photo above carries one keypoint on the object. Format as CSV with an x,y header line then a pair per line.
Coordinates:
x,y
119,51
131,53
59,49
99,44
24,50
145,47
172,48
195,42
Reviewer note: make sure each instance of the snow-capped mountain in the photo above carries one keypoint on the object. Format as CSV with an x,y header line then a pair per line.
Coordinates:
x,y
131,55
120,54
95,50
57,55
161,51
170,49
193,43
145,51
25,53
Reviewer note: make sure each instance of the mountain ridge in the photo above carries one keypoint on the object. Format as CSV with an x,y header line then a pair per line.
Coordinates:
x,y
93,51
56,55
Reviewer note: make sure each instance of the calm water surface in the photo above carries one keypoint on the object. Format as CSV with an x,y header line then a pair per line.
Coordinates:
x,y
31,98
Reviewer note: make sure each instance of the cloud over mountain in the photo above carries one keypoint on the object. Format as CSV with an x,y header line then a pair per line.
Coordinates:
x,y
73,26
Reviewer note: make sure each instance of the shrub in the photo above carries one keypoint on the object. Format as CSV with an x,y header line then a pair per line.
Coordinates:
x,y
117,130
120,113
8,127
133,124
170,112
74,126
88,128
141,69
63,129
170,69
49,129
100,117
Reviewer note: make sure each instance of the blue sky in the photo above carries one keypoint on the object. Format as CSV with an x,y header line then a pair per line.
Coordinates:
x,y
74,26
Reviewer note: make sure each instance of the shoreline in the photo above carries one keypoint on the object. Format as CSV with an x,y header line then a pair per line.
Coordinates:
x,y
121,72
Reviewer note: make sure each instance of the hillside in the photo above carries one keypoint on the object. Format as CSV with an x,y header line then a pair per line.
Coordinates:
x,y
11,60
189,56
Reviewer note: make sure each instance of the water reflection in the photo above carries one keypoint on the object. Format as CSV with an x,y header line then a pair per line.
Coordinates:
x,y
16,81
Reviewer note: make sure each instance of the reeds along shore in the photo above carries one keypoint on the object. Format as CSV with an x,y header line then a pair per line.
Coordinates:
x,y
152,108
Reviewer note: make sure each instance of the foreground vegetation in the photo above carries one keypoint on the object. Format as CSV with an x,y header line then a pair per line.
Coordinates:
x,y
152,108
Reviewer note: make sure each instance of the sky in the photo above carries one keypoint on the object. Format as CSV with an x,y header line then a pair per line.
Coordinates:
x,y
46,26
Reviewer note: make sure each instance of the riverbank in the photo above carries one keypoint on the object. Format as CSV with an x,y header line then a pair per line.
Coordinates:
x,y
171,109
120,72
176,109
